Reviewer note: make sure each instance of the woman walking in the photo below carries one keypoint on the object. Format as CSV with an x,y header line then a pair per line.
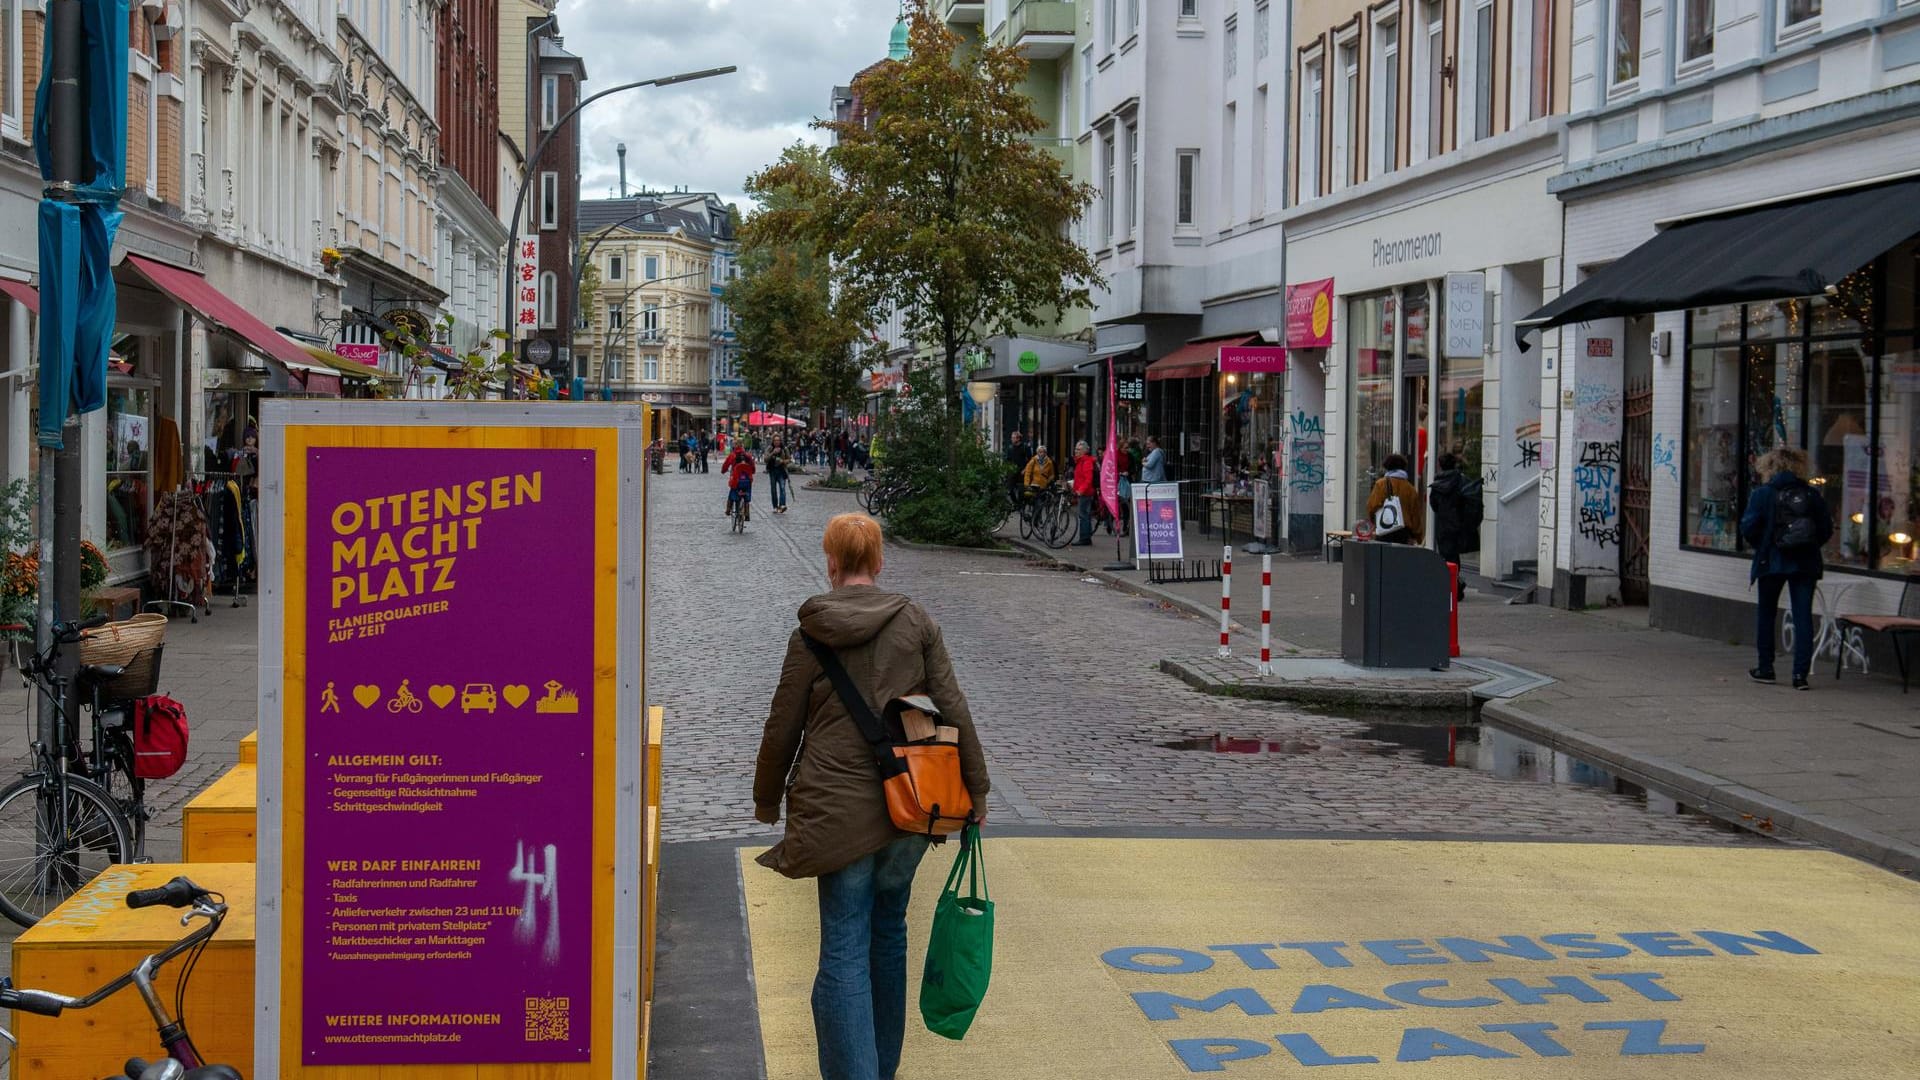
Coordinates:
x,y
838,828
1404,520
1786,524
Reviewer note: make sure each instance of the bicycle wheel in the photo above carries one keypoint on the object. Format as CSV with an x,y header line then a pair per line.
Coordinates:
x,y
50,847
129,792
1026,519
865,494
1065,524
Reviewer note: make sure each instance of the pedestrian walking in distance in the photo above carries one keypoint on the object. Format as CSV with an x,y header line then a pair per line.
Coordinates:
x,y
777,464
838,828
1456,513
1404,520
1786,523
1086,485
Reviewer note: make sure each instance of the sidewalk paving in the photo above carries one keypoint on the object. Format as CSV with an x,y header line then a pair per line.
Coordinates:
x,y
1839,766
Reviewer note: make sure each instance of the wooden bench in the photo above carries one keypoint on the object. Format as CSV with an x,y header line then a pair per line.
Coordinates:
x,y
1330,549
94,937
219,825
250,749
121,602
1898,627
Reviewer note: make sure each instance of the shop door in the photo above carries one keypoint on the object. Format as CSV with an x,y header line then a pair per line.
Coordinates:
x,y
1636,495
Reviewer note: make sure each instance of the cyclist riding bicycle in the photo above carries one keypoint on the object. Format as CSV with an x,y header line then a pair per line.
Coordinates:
x,y
739,472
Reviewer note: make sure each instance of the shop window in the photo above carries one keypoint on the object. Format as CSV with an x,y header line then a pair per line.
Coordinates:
x,y
1370,332
1827,374
129,465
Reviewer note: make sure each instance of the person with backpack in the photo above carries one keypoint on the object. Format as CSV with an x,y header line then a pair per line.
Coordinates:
x,y
1457,510
1786,523
817,760
1395,507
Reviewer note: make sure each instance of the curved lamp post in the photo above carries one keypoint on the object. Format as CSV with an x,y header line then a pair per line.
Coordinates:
x,y
533,167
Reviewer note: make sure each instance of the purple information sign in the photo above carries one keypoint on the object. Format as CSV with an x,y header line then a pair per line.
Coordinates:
x,y
1157,514
449,771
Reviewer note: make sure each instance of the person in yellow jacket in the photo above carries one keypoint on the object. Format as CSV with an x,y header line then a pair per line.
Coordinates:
x,y
1038,475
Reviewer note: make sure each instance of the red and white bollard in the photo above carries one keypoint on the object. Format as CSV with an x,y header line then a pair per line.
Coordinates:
x,y
1266,615
1226,599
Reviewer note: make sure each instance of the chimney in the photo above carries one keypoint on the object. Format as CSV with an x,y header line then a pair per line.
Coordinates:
x,y
621,149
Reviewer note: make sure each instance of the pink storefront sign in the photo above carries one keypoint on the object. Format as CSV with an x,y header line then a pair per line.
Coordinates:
x,y
1253,358
1310,315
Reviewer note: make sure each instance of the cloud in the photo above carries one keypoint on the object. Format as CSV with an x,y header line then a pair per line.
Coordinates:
x,y
710,135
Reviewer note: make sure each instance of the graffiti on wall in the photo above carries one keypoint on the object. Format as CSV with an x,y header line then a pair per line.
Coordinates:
x,y
1596,482
1307,468
1665,451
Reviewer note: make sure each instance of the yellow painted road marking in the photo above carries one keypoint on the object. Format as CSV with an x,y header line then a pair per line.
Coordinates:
x,y
1695,963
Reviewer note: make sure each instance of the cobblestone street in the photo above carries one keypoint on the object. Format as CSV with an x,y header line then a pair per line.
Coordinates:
x,y
1061,675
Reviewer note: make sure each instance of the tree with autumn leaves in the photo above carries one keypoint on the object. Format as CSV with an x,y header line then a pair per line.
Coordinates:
x,y
936,201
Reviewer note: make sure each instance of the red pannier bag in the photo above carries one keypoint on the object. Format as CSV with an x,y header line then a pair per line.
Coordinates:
x,y
159,737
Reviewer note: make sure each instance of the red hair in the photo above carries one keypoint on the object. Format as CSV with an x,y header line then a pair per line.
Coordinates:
x,y
853,541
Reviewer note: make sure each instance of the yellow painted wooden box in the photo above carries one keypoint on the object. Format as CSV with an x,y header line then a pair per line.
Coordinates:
x,y
94,938
656,731
250,749
219,824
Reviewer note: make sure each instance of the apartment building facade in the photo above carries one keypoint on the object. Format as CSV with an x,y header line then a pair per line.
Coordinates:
x,y
470,239
1754,163
1423,136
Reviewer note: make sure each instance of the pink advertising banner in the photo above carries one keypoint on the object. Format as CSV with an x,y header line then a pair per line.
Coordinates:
x,y
1310,315
449,755
1253,358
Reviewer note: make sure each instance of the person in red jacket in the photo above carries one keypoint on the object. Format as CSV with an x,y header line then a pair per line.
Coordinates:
x,y
1086,486
738,469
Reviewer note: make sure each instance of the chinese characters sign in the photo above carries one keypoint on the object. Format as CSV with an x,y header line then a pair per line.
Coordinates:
x,y
526,285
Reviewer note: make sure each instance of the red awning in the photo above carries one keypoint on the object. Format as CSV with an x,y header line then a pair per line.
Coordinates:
x,y
1195,360
22,292
191,291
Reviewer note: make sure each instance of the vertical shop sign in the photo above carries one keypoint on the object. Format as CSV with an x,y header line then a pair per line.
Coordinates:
x,y
445,776
526,285
1466,316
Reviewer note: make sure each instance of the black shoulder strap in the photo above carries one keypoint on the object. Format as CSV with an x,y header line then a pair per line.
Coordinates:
x,y
850,696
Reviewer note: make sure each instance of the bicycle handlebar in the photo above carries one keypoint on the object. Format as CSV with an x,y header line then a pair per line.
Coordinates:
x,y
38,1002
67,633
178,893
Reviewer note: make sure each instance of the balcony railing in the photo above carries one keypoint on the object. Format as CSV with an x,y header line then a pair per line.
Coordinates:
x,y
960,11
1041,28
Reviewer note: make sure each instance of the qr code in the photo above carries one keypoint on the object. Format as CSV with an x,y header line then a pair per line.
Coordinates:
x,y
547,1019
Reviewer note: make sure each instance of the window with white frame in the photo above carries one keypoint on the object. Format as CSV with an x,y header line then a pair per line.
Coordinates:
x,y
1483,71
1626,42
549,200
1186,169
1262,30
616,316
1230,48
613,369
1312,104
1542,58
1346,114
549,309
650,267
1259,153
1133,17
1110,18
1696,30
1797,13
650,320
549,101
1107,193
1229,144
616,267
1385,121
1429,92
10,66
1133,179
650,367
1189,9
1086,86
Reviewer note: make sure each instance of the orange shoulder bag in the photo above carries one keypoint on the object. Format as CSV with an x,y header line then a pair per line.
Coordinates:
x,y
920,777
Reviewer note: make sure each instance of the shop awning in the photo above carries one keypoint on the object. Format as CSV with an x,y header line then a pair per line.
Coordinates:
x,y
192,291
1194,360
22,292
1767,253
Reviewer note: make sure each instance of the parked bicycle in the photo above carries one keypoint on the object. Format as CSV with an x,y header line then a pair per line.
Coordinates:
x,y
183,1060
80,808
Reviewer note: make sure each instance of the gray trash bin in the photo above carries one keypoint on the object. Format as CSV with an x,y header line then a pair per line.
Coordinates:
x,y
1394,607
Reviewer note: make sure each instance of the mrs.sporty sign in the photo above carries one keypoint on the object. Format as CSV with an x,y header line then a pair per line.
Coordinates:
x,y
452,614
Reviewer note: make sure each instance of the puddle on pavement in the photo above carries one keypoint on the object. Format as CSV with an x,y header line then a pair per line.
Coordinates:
x,y
1446,743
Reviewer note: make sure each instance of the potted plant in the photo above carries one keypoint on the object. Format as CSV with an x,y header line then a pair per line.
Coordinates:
x,y
330,259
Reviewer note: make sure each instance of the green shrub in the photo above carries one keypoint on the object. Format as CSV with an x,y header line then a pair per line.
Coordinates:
x,y
955,488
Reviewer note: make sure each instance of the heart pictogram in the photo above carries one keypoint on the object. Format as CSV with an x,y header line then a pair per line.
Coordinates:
x,y
366,695
515,696
441,696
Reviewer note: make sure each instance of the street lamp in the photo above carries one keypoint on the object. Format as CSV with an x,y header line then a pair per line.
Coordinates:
x,y
539,151
580,264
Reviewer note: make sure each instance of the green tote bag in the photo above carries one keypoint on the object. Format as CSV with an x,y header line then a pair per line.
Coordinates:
x,y
960,949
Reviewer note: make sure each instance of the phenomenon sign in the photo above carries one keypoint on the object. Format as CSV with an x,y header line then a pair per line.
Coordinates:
x,y
447,766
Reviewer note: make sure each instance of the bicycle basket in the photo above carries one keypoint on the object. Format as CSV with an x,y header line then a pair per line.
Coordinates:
x,y
117,642
141,678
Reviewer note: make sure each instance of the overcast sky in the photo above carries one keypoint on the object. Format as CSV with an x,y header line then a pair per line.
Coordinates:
x,y
710,135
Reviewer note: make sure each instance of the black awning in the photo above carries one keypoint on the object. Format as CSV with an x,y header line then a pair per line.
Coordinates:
x,y
1768,253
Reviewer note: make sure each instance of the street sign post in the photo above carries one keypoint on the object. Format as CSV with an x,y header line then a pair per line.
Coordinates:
x,y
451,739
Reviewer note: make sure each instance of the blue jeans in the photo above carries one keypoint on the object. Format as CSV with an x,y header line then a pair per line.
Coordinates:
x,y
1086,519
1799,609
779,490
860,994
